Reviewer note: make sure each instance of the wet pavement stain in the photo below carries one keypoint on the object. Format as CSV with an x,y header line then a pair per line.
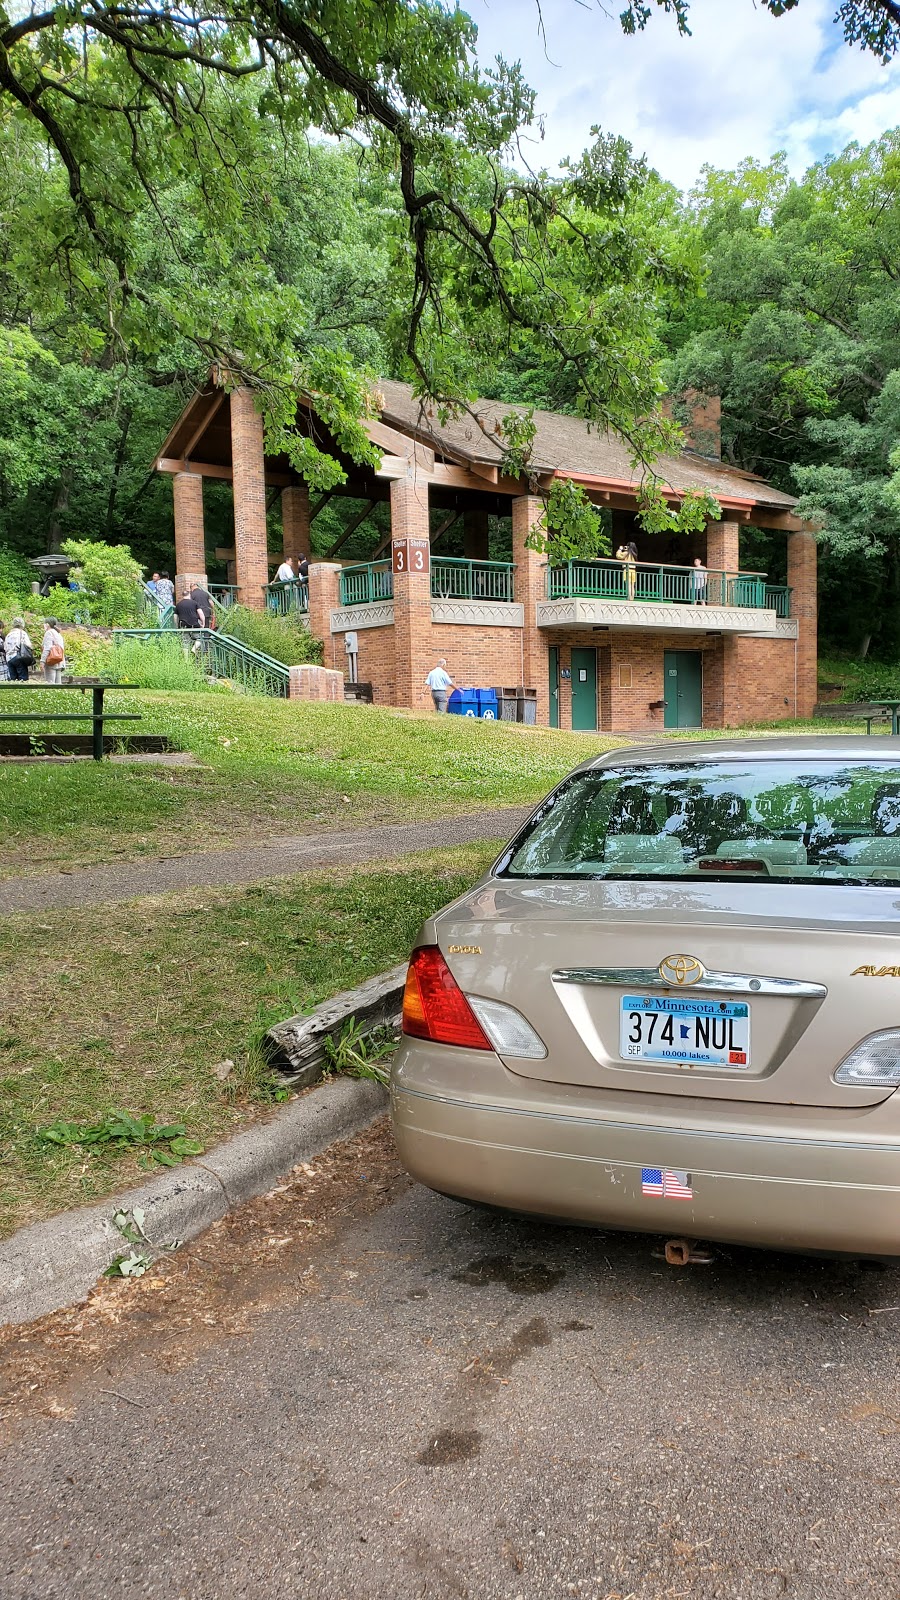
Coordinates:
x,y
522,1277
450,1445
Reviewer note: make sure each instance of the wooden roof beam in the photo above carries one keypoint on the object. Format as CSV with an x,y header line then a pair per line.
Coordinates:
x,y
351,527
213,469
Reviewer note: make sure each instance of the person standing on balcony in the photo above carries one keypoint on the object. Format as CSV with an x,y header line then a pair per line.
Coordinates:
x,y
627,554
165,592
440,683
286,573
699,582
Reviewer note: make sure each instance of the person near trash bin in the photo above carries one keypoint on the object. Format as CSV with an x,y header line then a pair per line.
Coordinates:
x,y
699,582
19,652
286,573
627,554
165,591
440,683
53,652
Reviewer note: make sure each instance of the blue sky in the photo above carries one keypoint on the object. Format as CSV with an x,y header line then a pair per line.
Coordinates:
x,y
744,84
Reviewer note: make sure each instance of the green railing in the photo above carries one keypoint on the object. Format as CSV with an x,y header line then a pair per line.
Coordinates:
x,y
223,657
665,585
365,582
455,579
452,578
778,599
283,598
223,595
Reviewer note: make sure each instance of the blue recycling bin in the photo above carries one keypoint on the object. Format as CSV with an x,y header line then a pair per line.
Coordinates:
x,y
487,704
464,703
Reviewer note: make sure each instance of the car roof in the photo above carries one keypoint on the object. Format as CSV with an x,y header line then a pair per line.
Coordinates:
x,y
786,747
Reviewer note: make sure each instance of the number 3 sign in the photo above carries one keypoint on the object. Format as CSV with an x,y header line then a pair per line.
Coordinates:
x,y
411,555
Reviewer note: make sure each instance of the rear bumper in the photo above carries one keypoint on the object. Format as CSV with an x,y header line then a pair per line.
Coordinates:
x,y
788,1177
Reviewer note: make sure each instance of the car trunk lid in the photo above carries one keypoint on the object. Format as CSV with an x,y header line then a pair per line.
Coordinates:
x,y
568,954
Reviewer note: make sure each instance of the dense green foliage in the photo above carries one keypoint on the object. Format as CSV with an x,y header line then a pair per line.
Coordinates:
x,y
169,203
799,332
285,639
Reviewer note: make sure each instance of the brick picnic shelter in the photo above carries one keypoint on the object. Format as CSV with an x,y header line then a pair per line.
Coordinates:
x,y
606,646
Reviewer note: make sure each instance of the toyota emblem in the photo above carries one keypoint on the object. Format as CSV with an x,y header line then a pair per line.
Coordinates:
x,y
681,970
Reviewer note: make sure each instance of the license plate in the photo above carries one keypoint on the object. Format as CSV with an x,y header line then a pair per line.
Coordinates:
x,y
703,1033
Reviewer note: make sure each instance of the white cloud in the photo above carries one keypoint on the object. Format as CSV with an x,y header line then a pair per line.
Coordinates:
x,y
747,86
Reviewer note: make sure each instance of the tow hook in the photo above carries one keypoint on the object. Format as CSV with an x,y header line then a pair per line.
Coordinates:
x,y
687,1253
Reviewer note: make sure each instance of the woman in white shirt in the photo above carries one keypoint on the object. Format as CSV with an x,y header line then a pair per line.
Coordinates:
x,y
19,653
53,652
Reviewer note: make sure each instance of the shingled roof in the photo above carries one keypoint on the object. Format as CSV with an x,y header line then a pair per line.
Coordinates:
x,y
566,445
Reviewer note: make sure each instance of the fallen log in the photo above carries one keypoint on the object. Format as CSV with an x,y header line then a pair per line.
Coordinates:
x,y
296,1049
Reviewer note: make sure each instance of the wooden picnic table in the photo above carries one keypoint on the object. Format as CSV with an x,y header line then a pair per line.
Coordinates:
x,y
96,716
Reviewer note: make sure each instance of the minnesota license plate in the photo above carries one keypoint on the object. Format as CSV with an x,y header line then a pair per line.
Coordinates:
x,y
705,1033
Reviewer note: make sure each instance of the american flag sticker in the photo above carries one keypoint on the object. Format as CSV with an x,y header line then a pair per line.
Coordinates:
x,y
666,1184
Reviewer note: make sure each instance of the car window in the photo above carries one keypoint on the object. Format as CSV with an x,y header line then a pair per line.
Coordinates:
x,y
815,821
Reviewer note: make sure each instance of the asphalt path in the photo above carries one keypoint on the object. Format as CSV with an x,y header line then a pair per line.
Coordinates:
x,y
439,1402
277,857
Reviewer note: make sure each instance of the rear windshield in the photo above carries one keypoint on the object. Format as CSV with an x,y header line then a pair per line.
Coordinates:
x,y
819,822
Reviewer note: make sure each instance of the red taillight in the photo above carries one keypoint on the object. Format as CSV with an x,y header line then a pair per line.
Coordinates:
x,y
434,1006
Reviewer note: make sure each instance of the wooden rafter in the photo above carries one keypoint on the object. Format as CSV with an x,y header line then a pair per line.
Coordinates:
x,y
199,431
351,527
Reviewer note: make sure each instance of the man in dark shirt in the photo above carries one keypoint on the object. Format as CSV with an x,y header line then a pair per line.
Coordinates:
x,y
203,601
188,613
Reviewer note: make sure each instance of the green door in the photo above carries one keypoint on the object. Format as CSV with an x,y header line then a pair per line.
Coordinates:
x,y
683,688
554,686
584,689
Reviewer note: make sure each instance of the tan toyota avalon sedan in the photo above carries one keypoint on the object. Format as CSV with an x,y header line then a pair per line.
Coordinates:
x,y
673,1004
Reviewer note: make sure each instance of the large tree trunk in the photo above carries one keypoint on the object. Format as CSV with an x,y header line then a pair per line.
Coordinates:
x,y
118,464
58,509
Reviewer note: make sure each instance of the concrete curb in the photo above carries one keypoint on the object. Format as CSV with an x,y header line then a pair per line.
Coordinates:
x,y
57,1262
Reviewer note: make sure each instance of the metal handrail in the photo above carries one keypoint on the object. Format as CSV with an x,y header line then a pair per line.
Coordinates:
x,y
665,585
290,594
456,578
366,582
223,657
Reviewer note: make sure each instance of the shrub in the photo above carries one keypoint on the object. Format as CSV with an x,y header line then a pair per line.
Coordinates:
x,y
110,578
15,577
285,639
158,664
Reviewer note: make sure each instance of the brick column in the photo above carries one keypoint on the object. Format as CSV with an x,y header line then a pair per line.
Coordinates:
x,y
530,587
250,537
414,654
190,543
722,555
295,520
802,554
475,535
325,597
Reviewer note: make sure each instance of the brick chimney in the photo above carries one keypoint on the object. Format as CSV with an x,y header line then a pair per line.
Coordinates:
x,y
700,418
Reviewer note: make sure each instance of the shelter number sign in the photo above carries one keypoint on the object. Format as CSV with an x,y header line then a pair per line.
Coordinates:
x,y
411,555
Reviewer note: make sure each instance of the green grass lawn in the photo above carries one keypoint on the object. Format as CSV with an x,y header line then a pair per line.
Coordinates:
x,y
132,1008
266,767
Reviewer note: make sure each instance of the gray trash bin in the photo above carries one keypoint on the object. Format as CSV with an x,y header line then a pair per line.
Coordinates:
x,y
508,704
527,706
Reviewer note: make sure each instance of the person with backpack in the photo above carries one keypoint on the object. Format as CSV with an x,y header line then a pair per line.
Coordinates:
x,y
53,652
19,652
